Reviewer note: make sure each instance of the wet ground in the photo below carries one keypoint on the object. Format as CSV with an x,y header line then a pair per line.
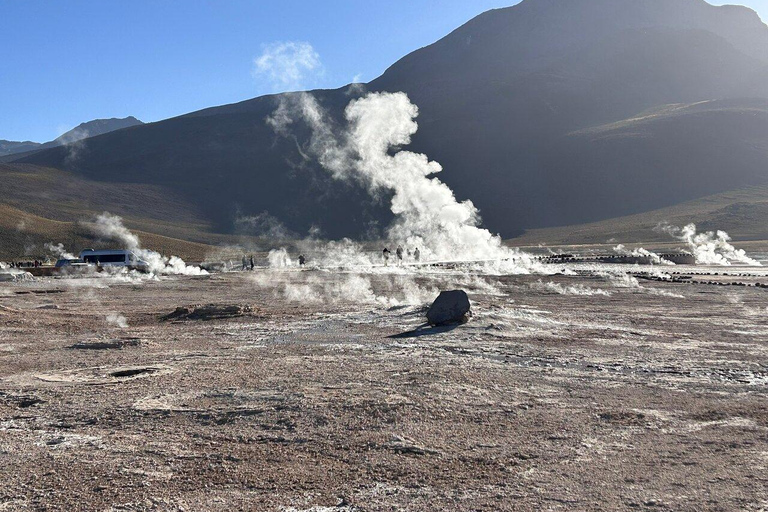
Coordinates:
x,y
323,391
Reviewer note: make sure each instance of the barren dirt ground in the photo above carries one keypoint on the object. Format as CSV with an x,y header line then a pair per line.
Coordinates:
x,y
561,393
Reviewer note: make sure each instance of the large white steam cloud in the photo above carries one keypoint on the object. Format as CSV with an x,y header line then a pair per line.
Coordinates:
x,y
709,248
427,213
111,227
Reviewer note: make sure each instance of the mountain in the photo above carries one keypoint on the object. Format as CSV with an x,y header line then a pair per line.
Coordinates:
x,y
741,213
9,147
82,131
41,205
547,113
94,128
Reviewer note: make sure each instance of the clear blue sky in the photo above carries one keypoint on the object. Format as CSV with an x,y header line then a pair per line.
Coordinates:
x,y
64,62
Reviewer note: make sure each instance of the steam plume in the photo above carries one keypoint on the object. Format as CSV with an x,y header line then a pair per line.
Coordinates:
x,y
117,320
640,252
75,143
111,227
59,251
709,248
427,213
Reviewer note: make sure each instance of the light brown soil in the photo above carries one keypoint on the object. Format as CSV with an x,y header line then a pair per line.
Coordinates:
x,y
649,398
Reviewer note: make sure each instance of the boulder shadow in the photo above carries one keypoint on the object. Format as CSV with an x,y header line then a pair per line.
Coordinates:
x,y
425,330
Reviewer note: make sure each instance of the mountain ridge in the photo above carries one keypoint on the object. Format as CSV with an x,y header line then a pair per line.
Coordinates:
x,y
81,131
506,103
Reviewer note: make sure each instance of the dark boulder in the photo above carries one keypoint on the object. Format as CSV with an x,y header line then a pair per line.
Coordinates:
x,y
208,312
450,307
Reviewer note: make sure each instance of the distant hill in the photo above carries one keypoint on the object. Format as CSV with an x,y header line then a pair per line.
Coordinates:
x,y
82,131
741,213
41,205
548,113
94,128
10,147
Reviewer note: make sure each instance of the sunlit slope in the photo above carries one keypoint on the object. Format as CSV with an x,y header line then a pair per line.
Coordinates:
x,y
24,235
40,205
742,213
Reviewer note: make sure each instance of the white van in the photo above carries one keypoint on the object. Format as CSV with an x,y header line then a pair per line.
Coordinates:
x,y
114,258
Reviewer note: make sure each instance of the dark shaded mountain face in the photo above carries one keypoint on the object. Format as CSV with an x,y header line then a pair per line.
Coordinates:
x,y
82,131
546,113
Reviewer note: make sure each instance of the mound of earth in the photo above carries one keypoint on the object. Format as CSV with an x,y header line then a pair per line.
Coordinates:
x,y
208,312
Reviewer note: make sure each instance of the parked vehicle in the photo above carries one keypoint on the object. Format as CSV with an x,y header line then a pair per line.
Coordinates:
x,y
114,258
68,262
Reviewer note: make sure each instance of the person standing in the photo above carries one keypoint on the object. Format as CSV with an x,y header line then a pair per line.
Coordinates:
x,y
252,265
385,253
416,254
399,252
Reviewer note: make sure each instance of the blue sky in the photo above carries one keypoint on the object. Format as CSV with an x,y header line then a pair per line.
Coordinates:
x,y
64,62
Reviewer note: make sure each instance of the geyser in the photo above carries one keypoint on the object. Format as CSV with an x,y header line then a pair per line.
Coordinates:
x,y
427,213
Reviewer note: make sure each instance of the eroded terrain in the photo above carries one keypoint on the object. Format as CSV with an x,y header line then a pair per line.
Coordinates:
x,y
311,390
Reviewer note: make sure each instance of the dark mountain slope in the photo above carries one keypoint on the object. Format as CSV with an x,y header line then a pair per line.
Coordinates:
x,y
506,103
231,167
535,34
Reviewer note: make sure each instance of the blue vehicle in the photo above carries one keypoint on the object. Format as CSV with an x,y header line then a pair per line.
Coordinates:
x,y
69,262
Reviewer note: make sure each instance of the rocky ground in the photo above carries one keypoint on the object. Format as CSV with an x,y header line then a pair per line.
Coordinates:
x,y
322,391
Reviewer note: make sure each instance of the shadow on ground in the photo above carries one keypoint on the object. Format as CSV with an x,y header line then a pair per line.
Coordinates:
x,y
425,330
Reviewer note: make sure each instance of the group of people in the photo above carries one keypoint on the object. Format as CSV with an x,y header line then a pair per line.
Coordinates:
x,y
399,254
249,264
25,264
247,261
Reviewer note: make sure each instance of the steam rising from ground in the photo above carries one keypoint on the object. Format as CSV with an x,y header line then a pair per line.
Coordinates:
x,y
111,227
640,252
624,280
279,258
75,143
376,286
351,288
117,320
13,274
578,289
427,213
710,248
59,251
